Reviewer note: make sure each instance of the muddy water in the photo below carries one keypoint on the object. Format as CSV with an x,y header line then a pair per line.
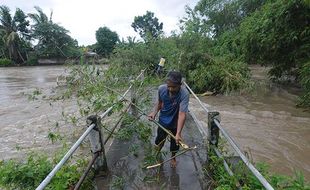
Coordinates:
x,y
268,125
24,123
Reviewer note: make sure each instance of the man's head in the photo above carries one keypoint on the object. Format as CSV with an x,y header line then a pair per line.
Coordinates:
x,y
174,81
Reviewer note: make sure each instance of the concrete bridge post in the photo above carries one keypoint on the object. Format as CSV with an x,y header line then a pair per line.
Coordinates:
x,y
97,146
213,130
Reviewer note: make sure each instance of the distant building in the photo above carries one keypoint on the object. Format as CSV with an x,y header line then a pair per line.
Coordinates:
x,y
91,54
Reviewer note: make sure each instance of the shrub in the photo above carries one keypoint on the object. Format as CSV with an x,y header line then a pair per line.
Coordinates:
x,y
220,75
242,175
5,62
29,174
304,100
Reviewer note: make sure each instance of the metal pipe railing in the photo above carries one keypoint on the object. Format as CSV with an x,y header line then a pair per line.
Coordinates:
x,y
217,152
49,177
203,106
201,128
255,172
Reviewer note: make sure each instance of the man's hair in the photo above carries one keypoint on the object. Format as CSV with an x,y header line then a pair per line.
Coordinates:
x,y
175,77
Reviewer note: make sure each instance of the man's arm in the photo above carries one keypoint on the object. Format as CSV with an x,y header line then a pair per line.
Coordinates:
x,y
182,114
181,121
156,109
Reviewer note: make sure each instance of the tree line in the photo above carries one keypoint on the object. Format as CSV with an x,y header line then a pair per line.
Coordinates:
x,y
26,37
219,39
18,37
216,42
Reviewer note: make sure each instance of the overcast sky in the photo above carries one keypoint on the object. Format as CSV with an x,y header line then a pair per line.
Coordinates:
x,y
83,17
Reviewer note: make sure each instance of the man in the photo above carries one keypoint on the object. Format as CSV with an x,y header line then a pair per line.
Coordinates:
x,y
160,66
172,103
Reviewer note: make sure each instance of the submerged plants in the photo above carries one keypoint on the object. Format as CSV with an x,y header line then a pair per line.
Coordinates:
x,y
246,180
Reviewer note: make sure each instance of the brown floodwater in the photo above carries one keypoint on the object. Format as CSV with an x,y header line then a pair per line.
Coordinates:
x,y
266,123
25,123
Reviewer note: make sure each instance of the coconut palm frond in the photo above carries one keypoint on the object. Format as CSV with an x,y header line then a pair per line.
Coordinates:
x,y
42,15
12,31
34,17
5,16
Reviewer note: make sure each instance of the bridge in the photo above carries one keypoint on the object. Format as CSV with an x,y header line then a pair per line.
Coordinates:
x,y
129,163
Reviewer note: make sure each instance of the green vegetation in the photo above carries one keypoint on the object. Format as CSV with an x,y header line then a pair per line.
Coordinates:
x,y
29,174
106,40
278,35
148,26
131,126
245,179
18,34
24,43
5,62
13,32
53,39
271,33
305,81
117,183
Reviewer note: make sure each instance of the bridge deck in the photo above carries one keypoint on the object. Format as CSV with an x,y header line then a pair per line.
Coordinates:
x,y
126,172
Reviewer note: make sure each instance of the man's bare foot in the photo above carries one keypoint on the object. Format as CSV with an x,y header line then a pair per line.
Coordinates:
x,y
173,163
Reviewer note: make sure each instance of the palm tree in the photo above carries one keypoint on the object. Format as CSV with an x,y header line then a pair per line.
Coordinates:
x,y
40,17
41,25
14,32
53,40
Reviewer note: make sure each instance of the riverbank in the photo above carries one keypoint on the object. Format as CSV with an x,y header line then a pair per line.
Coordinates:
x,y
58,61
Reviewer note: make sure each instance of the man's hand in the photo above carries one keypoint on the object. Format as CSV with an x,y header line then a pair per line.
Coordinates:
x,y
151,116
178,138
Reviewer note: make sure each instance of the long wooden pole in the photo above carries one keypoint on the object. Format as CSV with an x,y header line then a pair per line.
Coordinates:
x,y
178,154
183,145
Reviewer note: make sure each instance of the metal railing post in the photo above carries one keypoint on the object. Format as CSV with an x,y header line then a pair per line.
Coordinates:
x,y
213,130
97,146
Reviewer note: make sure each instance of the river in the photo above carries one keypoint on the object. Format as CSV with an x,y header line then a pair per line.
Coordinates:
x,y
25,123
266,123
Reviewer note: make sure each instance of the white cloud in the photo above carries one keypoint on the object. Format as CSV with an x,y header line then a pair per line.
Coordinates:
x,y
82,18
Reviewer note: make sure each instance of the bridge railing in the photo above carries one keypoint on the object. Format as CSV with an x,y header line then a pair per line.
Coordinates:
x,y
99,162
93,131
212,134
